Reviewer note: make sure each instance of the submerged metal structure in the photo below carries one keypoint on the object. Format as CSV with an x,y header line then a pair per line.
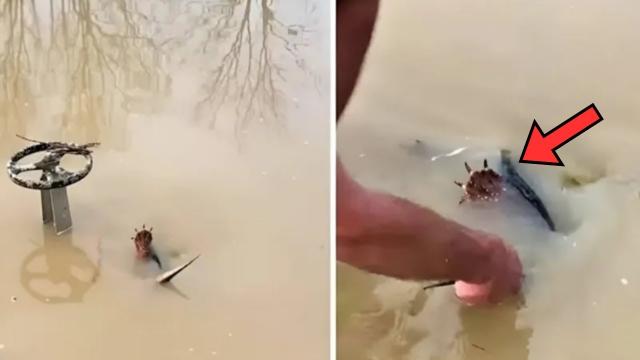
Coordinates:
x,y
54,179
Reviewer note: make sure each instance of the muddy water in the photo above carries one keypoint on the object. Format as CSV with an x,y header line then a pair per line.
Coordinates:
x,y
212,123
467,78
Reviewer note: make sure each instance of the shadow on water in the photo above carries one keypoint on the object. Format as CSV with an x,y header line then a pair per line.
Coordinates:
x,y
58,271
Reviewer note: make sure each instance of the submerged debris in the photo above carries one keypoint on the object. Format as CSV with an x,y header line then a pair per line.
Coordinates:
x,y
569,181
417,148
167,276
478,347
484,184
578,180
63,148
142,241
439,284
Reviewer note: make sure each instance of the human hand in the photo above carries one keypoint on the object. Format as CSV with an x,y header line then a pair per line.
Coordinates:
x,y
504,270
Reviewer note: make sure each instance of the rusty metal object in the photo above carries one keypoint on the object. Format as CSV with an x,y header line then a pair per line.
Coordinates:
x,y
53,175
54,179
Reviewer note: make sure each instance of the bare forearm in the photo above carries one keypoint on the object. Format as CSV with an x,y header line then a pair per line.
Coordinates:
x,y
387,235
391,236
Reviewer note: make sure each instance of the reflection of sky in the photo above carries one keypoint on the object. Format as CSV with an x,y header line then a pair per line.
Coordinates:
x,y
315,15
43,8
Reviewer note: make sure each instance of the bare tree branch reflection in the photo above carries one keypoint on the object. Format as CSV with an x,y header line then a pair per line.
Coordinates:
x,y
19,33
249,74
94,55
88,62
105,55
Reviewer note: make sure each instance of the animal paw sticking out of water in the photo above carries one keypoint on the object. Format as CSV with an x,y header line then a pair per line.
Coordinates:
x,y
142,241
484,184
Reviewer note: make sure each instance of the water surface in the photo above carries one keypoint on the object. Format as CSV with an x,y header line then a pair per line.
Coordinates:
x,y
212,122
472,76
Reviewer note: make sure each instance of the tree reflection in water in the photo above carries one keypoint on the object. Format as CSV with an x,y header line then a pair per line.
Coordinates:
x,y
248,75
86,67
20,35
87,63
105,58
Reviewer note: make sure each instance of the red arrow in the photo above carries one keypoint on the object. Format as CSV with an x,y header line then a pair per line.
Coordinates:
x,y
541,148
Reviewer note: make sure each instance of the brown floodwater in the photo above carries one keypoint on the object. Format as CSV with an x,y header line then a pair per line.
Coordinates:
x,y
468,78
212,119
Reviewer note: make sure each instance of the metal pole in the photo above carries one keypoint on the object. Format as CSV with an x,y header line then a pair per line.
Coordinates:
x,y
55,207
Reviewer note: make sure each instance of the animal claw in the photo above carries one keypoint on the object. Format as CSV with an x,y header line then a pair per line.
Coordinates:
x,y
486,164
458,183
466,166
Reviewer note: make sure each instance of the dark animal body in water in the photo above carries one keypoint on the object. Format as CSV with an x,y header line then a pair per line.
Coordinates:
x,y
417,148
516,181
142,241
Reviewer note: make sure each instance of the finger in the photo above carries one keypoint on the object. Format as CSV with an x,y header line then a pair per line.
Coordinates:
x,y
473,294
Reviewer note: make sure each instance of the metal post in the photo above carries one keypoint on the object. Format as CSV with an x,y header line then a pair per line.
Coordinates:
x,y
47,211
54,179
55,207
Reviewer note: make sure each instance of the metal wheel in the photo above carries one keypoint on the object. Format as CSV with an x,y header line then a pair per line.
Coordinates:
x,y
53,175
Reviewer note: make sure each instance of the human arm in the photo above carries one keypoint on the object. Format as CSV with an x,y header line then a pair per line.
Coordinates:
x,y
385,234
